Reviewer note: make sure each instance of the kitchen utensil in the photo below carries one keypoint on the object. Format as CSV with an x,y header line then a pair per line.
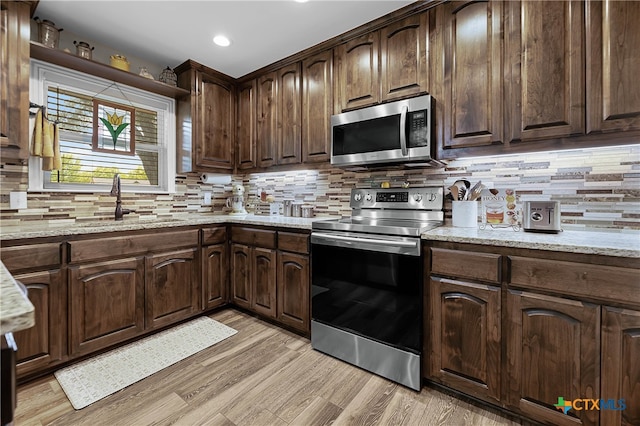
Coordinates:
x,y
296,209
462,192
307,211
475,191
48,34
287,207
454,192
83,49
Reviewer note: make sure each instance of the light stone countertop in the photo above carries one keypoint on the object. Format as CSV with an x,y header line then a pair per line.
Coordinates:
x,y
606,243
16,311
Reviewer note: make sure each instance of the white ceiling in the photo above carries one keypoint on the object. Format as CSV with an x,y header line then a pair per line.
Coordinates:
x,y
170,32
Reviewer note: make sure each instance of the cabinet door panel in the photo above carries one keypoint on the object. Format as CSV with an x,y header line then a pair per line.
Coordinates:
x,y
473,74
264,280
466,337
613,66
107,303
172,286
266,121
620,366
216,124
43,344
289,115
403,57
293,290
552,351
317,107
216,271
357,69
241,275
545,51
246,127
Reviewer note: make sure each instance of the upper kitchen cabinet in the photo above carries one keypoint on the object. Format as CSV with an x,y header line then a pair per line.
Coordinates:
x,y
613,66
545,69
317,107
473,78
14,85
383,65
279,102
205,120
246,126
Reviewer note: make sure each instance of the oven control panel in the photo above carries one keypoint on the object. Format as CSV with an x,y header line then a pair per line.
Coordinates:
x,y
426,198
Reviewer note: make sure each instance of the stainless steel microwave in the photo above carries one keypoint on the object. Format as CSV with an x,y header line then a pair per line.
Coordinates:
x,y
396,132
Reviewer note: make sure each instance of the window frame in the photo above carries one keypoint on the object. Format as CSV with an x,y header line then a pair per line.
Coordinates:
x,y
43,74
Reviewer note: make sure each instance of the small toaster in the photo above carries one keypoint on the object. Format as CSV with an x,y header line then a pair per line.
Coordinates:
x,y
541,216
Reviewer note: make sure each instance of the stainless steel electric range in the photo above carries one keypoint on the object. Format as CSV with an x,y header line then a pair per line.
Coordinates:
x,y
366,304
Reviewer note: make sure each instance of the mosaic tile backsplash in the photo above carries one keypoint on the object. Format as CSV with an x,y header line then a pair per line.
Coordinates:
x,y
596,188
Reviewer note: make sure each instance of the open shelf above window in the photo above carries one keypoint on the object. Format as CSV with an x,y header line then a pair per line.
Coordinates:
x,y
98,69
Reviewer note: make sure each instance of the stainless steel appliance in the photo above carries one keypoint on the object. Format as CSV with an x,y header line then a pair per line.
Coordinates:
x,y
396,132
541,216
366,304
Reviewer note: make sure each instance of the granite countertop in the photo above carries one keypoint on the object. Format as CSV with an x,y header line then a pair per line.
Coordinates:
x,y
68,228
606,243
16,311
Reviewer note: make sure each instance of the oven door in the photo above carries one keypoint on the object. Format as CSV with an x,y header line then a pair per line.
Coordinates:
x,y
370,286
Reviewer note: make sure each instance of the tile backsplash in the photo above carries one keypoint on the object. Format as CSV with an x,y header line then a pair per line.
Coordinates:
x,y
597,188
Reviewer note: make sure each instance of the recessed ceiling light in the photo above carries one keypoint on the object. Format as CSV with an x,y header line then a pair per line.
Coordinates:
x,y
221,40
301,1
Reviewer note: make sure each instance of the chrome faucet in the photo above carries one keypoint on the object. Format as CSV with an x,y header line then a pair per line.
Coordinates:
x,y
115,191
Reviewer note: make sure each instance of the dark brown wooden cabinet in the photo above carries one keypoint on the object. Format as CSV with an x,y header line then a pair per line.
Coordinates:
x,y
289,114
317,107
465,335
473,74
620,369
357,72
246,126
613,65
544,52
172,287
215,267
552,350
254,270
15,27
44,344
107,303
294,280
206,124
267,126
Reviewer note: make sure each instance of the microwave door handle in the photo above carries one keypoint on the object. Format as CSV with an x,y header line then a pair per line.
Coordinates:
x,y
403,133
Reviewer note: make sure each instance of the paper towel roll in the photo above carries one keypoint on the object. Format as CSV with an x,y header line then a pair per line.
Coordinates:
x,y
213,178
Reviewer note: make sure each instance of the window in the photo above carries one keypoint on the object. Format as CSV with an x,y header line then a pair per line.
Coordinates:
x,y
105,128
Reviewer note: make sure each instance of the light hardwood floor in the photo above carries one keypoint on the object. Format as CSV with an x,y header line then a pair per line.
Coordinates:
x,y
263,375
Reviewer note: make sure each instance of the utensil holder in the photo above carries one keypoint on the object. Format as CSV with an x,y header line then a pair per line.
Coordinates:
x,y
465,214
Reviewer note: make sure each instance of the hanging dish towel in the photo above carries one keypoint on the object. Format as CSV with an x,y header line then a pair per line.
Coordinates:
x,y
46,142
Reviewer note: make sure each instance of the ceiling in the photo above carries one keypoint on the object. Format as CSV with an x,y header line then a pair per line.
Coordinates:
x,y
170,32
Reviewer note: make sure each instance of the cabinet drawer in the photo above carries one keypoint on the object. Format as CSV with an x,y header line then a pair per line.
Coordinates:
x,y
576,279
35,256
254,237
466,264
130,244
215,235
293,242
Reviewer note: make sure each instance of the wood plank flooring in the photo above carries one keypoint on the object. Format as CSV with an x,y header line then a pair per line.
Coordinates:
x,y
263,375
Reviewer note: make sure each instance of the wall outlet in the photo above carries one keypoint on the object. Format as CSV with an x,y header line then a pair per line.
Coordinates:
x,y
207,198
18,200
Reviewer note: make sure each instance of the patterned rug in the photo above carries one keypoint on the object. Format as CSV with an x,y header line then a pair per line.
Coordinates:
x,y
93,379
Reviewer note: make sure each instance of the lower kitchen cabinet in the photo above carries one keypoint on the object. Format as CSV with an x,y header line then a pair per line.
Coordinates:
x,y
465,336
293,290
241,275
106,303
552,351
172,287
215,267
620,366
44,344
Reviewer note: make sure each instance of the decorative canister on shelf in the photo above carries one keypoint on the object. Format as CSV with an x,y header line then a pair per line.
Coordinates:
x,y
169,77
48,34
83,49
120,62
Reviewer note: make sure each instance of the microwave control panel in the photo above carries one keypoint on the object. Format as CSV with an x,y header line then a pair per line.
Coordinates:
x,y
417,128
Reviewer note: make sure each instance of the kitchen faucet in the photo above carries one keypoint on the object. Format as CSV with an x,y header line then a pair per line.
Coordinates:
x,y
115,190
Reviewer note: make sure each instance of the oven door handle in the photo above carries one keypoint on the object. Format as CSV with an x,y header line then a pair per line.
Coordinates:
x,y
390,246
